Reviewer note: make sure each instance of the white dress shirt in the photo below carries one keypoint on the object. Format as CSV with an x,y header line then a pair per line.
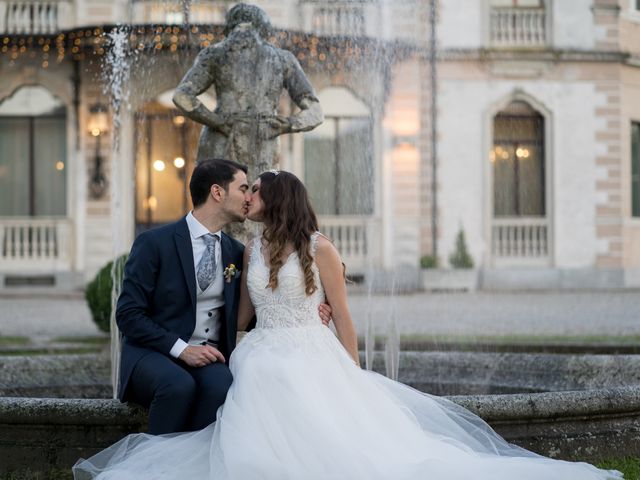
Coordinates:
x,y
208,302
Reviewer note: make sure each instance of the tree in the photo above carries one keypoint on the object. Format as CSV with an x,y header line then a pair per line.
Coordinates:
x,y
460,258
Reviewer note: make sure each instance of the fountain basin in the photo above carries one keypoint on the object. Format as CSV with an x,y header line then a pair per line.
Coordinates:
x,y
438,373
45,435
571,406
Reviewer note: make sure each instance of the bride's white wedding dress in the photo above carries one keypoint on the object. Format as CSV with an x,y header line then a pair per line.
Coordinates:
x,y
301,409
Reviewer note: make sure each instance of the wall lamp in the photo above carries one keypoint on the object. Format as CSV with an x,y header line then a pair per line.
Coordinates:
x,y
98,126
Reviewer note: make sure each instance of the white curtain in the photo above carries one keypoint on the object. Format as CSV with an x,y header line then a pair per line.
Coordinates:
x,y
32,128
14,166
50,166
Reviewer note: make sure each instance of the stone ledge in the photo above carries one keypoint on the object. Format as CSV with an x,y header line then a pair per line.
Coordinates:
x,y
44,435
70,411
588,425
553,405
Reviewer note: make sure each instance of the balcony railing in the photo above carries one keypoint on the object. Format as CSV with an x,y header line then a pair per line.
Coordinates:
x,y
172,13
521,240
518,27
34,244
338,20
356,238
340,17
24,17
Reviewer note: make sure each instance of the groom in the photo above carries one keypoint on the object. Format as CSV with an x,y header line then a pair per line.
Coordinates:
x,y
179,302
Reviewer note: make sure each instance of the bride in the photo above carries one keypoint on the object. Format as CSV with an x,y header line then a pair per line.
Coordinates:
x,y
300,407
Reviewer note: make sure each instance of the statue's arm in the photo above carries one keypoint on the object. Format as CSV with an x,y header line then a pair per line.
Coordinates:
x,y
197,81
309,116
302,94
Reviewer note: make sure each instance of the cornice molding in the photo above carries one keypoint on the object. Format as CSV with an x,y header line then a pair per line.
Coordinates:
x,y
606,8
549,55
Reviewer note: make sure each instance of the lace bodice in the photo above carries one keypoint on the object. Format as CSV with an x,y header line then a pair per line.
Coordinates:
x,y
288,305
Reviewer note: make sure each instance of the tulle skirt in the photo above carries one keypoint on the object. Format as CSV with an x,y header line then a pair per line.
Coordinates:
x,y
300,409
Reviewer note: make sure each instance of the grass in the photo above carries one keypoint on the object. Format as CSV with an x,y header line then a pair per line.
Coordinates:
x,y
13,340
629,466
629,343
56,474
48,351
507,339
102,340
10,345
22,346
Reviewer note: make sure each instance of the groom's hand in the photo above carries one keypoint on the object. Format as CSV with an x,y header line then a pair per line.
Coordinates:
x,y
324,309
201,355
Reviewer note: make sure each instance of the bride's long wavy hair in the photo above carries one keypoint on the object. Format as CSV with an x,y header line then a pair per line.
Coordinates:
x,y
288,219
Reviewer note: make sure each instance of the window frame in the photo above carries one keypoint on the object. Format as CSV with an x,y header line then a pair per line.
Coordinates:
x,y
537,143
634,173
31,122
340,159
633,11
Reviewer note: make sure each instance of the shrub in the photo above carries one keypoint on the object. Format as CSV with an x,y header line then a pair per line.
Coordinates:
x,y
460,258
428,261
98,293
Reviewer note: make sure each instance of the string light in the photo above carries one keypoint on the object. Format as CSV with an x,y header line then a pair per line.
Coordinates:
x,y
331,53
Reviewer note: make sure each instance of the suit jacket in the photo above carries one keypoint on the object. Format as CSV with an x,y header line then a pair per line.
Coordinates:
x,y
158,300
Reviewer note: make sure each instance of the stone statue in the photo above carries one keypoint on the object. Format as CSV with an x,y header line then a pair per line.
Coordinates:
x,y
248,74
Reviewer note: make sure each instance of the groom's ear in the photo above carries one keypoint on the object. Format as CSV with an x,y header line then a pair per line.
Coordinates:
x,y
216,192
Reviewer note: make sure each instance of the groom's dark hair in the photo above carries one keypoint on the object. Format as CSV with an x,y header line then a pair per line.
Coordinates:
x,y
215,171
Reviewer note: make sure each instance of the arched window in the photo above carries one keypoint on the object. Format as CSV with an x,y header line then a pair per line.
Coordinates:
x,y
635,168
518,162
338,156
166,145
33,154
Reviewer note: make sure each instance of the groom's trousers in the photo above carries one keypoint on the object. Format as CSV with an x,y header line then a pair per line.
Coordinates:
x,y
180,398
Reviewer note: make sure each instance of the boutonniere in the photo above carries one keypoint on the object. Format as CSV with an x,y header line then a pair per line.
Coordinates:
x,y
230,272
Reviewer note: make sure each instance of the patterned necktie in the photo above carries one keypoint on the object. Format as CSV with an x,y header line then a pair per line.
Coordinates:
x,y
207,266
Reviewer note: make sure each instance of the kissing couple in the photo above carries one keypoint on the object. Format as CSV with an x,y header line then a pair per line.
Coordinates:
x,y
290,402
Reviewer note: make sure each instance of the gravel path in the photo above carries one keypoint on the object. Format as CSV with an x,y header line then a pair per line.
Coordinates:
x,y
46,318
545,313
476,314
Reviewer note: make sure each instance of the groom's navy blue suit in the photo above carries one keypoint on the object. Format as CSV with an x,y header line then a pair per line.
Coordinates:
x,y
156,307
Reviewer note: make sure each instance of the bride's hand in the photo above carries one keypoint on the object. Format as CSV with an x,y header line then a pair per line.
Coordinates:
x,y
201,355
324,310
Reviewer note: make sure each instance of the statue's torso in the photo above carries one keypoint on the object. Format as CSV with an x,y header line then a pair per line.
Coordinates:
x,y
250,75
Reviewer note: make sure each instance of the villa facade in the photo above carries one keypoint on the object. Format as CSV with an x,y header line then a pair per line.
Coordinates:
x,y
530,108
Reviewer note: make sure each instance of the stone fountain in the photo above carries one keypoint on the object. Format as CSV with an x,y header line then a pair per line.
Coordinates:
x,y
597,420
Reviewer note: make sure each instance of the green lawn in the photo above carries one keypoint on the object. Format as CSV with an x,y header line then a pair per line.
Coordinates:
x,y
629,466
46,351
101,340
536,339
29,475
9,341
631,343
14,345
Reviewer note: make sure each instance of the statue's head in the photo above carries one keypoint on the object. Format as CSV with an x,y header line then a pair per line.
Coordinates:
x,y
243,13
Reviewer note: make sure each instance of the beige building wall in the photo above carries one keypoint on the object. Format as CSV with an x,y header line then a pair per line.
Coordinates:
x,y
631,225
587,79
402,166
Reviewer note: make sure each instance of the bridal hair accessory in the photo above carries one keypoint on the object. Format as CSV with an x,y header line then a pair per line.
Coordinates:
x,y
230,272
274,171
